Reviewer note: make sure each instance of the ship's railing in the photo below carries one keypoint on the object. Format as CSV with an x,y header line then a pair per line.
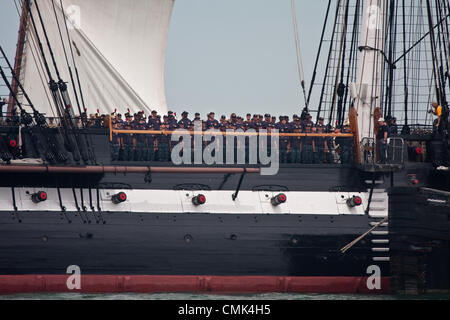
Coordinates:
x,y
373,153
218,133
330,148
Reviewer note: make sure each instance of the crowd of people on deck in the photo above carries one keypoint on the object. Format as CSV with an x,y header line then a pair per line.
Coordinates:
x,y
304,149
311,146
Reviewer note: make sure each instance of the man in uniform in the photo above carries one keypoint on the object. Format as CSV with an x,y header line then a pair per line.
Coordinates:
x,y
163,142
173,124
308,150
296,143
382,137
308,122
266,122
140,125
128,139
212,123
150,139
248,123
319,143
153,117
185,120
119,126
115,143
283,128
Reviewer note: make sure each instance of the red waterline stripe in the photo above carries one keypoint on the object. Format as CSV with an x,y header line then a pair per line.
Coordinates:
x,y
189,284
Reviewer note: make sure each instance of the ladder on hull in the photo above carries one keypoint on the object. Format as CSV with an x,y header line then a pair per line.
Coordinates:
x,y
378,210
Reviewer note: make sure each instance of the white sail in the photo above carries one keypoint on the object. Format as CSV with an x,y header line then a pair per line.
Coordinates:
x,y
119,48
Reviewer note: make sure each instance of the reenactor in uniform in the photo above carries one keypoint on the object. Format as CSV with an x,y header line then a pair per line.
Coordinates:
x,y
296,143
115,143
156,123
150,140
295,122
212,123
308,122
223,121
184,121
128,139
319,144
140,125
249,124
153,118
163,142
283,128
308,149
274,120
267,120
173,124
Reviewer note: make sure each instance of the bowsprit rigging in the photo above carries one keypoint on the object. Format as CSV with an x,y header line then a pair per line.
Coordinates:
x,y
44,143
74,143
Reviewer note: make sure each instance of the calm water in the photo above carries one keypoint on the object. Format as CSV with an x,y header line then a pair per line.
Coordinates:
x,y
216,297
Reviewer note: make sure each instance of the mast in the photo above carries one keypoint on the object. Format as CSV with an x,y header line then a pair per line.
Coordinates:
x,y
19,54
367,91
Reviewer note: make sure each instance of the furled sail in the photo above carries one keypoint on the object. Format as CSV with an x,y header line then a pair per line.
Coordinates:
x,y
118,49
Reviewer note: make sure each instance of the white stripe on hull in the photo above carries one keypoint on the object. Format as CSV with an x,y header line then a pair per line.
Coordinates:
x,y
170,201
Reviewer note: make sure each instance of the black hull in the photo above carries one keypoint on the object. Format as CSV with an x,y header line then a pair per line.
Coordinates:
x,y
420,240
240,246
216,245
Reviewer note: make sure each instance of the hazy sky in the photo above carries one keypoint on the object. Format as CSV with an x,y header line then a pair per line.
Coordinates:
x,y
227,55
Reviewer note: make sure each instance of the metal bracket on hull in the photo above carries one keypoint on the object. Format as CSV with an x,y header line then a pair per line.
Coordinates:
x,y
15,213
370,195
63,208
90,200
235,195
14,199
98,200
82,200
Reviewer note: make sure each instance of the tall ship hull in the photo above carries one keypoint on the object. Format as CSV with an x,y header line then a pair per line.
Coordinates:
x,y
158,241
81,210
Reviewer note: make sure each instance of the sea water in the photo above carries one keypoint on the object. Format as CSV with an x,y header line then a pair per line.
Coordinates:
x,y
267,297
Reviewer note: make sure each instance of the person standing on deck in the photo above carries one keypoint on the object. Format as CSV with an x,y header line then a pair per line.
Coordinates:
x,y
283,128
296,143
307,150
128,139
437,111
163,141
382,138
319,145
150,126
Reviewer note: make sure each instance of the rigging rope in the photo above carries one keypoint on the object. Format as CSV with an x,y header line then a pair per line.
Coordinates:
x,y
301,73
65,55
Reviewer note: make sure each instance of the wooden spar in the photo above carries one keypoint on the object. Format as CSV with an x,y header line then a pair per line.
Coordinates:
x,y
353,117
122,169
19,55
